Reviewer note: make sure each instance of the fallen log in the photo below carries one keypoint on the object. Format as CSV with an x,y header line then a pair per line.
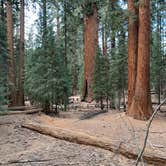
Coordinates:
x,y
19,108
20,112
101,142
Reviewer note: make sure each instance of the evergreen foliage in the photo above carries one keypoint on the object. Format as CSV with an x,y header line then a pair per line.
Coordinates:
x,y
3,60
74,45
47,79
54,64
101,79
118,70
158,65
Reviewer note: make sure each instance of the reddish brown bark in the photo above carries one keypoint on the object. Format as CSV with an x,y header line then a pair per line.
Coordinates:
x,y
11,70
104,42
113,29
58,20
141,107
90,50
132,49
21,57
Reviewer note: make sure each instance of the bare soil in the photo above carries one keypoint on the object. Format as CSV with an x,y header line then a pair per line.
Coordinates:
x,y
22,147
116,126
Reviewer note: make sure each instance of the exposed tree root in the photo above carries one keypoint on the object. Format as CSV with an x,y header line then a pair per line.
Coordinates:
x,y
20,108
102,142
137,111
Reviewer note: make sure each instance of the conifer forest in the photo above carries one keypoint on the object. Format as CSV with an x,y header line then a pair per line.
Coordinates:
x,y
83,82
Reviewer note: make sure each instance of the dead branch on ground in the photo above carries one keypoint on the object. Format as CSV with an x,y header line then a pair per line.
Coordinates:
x,y
147,131
125,149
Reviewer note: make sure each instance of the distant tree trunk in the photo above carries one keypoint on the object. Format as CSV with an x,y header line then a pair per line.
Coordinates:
x,y
2,13
101,103
90,51
104,41
141,107
65,100
159,89
11,72
113,29
56,4
65,30
132,49
58,21
159,26
44,37
21,57
46,105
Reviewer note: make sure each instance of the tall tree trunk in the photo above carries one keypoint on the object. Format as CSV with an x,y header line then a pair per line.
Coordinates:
x,y
65,100
58,21
44,37
104,41
90,51
132,50
112,28
21,57
11,72
141,107
159,50
65,31
2,13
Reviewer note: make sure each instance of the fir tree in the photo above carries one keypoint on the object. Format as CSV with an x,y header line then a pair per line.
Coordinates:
x,y
3,59
101,79
46,70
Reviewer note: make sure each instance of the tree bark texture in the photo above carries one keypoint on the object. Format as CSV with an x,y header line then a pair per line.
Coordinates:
x,y
141,107
90,51
11,70
104,41
132,49
21,57
112,28
44,37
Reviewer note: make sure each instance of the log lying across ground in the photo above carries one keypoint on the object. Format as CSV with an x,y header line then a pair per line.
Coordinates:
x,y
18,108
33,111
102,142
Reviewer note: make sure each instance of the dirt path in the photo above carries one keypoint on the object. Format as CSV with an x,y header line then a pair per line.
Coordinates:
x,y
22,147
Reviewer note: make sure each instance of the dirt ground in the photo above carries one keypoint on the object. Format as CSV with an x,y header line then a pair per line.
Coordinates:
x,y
117,126
22,147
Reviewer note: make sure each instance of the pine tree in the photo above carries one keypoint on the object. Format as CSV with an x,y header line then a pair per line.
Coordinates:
x,y
101,80
20,95
158,64
46,70
3,59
